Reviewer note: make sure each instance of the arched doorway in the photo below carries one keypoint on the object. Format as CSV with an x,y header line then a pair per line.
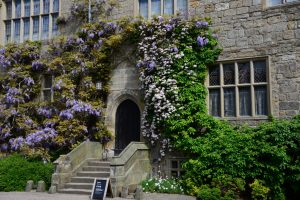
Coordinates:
x,y
127,127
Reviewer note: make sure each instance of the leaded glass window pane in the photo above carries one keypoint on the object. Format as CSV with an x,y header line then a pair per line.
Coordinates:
x,y
7,31
17,30
214,102
174,164
36,7
214,75
274,2
45,31
261,107
26,28
27,8
36,28
54,25
168,7
8,9
47,95
245,101
244,72
260,73
229,102
144,8
155,7
46,5
18,8
47,81
55,5
229,74
182,6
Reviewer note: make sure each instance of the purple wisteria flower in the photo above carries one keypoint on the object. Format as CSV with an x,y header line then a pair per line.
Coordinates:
x,y
14,112
16,143
40,136
29,81
36,65
151,65
201,41
2,51
66,114
174,49
81,107
168,27
98,44
4,147
112,25
4,62
79,41
11,96
46,112
201,24
28,122
91,35
160,18
100,33
58,84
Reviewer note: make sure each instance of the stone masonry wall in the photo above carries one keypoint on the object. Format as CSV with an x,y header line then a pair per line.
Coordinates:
x,y
248,29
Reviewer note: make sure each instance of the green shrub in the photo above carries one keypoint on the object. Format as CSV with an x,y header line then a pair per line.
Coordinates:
x,y
259,191
269,152
16,170
162,186
207,193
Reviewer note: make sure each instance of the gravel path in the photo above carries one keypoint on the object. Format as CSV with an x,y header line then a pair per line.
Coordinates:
x,y
46,196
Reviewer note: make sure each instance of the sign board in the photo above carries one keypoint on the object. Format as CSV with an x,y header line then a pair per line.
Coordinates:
x,y
100,187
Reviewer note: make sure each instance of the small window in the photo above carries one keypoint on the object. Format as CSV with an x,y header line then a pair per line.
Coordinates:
x,y
162,7
176,168
279,2
8,9
27,6
47,91
242,91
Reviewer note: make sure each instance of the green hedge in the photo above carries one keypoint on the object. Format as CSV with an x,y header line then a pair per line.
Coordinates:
x,y
16,170
261,162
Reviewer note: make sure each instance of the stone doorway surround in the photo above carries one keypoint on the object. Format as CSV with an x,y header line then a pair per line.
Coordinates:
x,y
124,85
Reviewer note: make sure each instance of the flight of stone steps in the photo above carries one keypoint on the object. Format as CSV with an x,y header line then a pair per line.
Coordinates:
x,y
82,182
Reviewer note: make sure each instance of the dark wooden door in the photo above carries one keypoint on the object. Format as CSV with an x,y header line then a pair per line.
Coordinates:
x,y
127,128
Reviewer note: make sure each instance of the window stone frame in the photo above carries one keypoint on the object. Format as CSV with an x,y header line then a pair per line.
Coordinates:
x,y
52,13
237,116
137,8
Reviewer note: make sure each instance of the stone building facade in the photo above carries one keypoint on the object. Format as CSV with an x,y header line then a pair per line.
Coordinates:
x,y
257,74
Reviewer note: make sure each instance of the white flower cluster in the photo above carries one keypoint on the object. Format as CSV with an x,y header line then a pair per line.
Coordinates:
x,y
158,52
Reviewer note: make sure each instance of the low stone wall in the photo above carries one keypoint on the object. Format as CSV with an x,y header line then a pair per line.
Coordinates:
x,y
66,165
130,167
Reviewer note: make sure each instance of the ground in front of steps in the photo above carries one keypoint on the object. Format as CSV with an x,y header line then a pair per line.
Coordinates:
x,y
58,196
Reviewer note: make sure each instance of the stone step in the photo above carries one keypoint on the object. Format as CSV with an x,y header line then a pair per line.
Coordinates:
x,y
96,168
75,191
77,179
93,174
98,163
84,186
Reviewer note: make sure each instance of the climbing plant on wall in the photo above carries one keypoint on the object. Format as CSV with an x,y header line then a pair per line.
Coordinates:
x,y
174,56
75,113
